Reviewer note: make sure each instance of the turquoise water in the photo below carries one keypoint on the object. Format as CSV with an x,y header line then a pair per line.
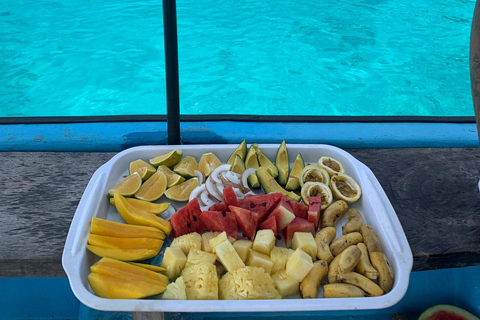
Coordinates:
x,y
370,57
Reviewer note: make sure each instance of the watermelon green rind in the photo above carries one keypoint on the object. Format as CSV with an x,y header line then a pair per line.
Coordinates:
x,y
434,313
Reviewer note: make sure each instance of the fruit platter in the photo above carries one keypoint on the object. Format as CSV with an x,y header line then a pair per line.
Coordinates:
x,y
235,228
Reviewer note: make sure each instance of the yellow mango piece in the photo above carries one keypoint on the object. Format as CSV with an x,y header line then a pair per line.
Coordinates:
x,y
118,288
152,207
138,217
126,270
124,243
122,230
122,254
149,267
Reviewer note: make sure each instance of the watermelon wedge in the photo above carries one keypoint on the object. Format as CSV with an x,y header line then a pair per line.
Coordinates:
x,y
246,220
446,312
221,206
270,223
229,196
220,221
186,220
299,209
314,205
261,204
297,225
283,213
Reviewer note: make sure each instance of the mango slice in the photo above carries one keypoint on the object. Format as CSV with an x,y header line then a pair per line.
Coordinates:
x,y
138,217
126,270
123,254
124,243
149,267
122,230
118,288
155,208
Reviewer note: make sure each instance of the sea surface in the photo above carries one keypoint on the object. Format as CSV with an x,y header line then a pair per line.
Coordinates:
x,y
265,57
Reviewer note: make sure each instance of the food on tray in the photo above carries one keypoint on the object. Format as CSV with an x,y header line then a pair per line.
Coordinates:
x,y
225,236
332,166
446,312
143,168
128,186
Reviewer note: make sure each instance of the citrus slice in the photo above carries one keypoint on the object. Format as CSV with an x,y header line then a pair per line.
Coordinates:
x,y
208,162
170,159
144,169
153,188
186,167
182,191
172,178
128,186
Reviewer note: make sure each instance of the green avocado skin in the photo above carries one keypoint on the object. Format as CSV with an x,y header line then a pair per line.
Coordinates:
x,y
437,313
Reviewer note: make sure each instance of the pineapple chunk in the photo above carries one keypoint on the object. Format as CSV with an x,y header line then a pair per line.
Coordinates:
x,y
306,242
175,290
290,252
279,257
242,247
219,238
206,237
201,282
299,265
227,287
285,284
257,259
198,256
264,241
254,283
187,242
174,260
227,255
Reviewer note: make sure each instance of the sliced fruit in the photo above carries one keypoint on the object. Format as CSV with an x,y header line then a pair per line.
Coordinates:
x,y
345,188
175,290
220,221
285,284
331,165
123,254
117,229
297,225
260,260
208,162
269,184
138,217
246,221
201,282
182,191
261,204
174,260
266,163
118,288
270,223
314,205
299,265
293,182
153,188
173,179
314,189
313,174
221,206
241,151
128,186
170,159
306,242
144,169
446,312
283,213
133,270
243,247
228,256
124,243
251,161
237,165
299,209
264,241
229,197
155,208
149,266
186,167
282,164
186,220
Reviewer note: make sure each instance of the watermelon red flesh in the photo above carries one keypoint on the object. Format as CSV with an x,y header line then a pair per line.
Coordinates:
x,y
261,204
299,209
314,205
283,214
445,315
221,206
270,223
246,220
229,196
446,312
186,220
297,225
220,221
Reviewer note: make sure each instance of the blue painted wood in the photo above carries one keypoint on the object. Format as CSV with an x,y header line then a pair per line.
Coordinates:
x,y
122,135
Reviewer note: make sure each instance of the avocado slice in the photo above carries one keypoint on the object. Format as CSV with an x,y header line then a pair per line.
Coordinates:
x,y
240,151
266,163
269,184
238,166
293,182
252,162
282,164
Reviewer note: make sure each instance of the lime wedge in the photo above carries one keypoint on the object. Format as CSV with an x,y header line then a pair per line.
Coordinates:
x,y
208,162
186,167
182,191
128,186
170,159
172,178
144,169
153,188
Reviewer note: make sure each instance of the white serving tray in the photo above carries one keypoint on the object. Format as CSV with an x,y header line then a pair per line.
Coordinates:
x,y
373,205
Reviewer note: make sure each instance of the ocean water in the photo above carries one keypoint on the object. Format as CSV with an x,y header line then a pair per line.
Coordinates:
x,y
305,57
